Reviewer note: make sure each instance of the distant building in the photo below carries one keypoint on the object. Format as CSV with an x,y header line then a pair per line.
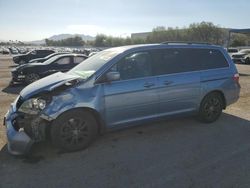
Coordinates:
x,y
143,35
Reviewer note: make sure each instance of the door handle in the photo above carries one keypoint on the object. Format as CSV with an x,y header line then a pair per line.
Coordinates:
x,y
167,82
148,84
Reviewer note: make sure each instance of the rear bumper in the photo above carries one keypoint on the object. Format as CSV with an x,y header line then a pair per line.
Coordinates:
x,y
19,143
233,94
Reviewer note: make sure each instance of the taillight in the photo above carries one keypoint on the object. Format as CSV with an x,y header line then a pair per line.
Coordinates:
x,y
236,78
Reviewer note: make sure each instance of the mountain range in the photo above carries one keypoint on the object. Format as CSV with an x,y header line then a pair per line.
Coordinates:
x,y
63,36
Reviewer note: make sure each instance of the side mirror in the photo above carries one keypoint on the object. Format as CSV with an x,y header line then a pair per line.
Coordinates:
x,y
113,76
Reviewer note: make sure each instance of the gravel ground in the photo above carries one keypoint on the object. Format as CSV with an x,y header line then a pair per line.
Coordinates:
x,y
174,153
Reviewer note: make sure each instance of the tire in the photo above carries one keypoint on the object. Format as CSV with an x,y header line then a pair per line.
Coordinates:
x,y
211,108
31,78
74,130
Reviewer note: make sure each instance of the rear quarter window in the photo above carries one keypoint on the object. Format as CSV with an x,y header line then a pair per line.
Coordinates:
x,y
212,59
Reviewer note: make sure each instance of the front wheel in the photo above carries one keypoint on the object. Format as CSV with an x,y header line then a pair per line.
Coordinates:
x,y
31,78
74,130
211,108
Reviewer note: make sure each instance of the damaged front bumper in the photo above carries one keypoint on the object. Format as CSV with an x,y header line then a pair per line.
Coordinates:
x,y
19,142
23,130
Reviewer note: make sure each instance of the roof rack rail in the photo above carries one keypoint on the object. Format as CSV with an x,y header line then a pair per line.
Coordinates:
x,y
185,42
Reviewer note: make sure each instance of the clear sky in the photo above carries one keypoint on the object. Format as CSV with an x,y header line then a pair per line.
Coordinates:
x,y
37,19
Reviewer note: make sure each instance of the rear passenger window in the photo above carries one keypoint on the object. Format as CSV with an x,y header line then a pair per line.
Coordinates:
x,y
171,61
175,60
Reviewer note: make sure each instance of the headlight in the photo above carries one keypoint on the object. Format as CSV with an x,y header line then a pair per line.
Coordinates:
x,y
33,106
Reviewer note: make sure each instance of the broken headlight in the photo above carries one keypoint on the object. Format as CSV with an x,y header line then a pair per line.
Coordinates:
x,y
33,106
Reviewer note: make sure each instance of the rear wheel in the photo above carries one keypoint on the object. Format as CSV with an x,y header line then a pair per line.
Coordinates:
x,y
31,78
211,107
74,130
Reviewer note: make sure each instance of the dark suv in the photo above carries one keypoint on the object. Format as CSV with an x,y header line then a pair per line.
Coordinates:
x,y
22,59
31,72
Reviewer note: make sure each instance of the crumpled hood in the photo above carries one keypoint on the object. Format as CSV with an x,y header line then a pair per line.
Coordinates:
x,y
47,84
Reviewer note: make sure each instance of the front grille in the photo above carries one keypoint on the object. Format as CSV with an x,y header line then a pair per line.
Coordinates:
x,y
19,102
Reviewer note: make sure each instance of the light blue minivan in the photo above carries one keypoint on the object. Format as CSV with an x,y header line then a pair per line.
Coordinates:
x,y
120,87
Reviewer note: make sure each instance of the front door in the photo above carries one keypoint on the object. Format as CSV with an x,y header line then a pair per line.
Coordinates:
x,y
133,98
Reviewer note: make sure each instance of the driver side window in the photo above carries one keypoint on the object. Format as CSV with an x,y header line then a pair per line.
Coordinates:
x,y
135,65
63,61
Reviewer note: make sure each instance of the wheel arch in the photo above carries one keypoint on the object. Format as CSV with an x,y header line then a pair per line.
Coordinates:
x,y
96,114
218,92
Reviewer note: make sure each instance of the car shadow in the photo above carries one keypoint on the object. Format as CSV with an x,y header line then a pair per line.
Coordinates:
x,y
158,126
243,74
13,89
13,66
158,149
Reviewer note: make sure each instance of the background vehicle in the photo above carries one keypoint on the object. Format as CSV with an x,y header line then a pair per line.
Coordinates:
x,y
40,60
31,72
5,51
22,59
121,87
232,51
243,56
13,50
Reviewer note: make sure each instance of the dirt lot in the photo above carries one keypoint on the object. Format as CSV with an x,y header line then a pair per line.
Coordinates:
x,y
174,153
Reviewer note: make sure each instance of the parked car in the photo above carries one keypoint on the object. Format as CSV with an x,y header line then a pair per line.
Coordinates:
x,y
5,51
31,72
41,60
243,56
22,50
13,50
122,87
22,59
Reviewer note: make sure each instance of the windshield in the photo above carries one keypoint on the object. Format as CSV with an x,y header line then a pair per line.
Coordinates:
x,y
50,60
93,63
231,50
